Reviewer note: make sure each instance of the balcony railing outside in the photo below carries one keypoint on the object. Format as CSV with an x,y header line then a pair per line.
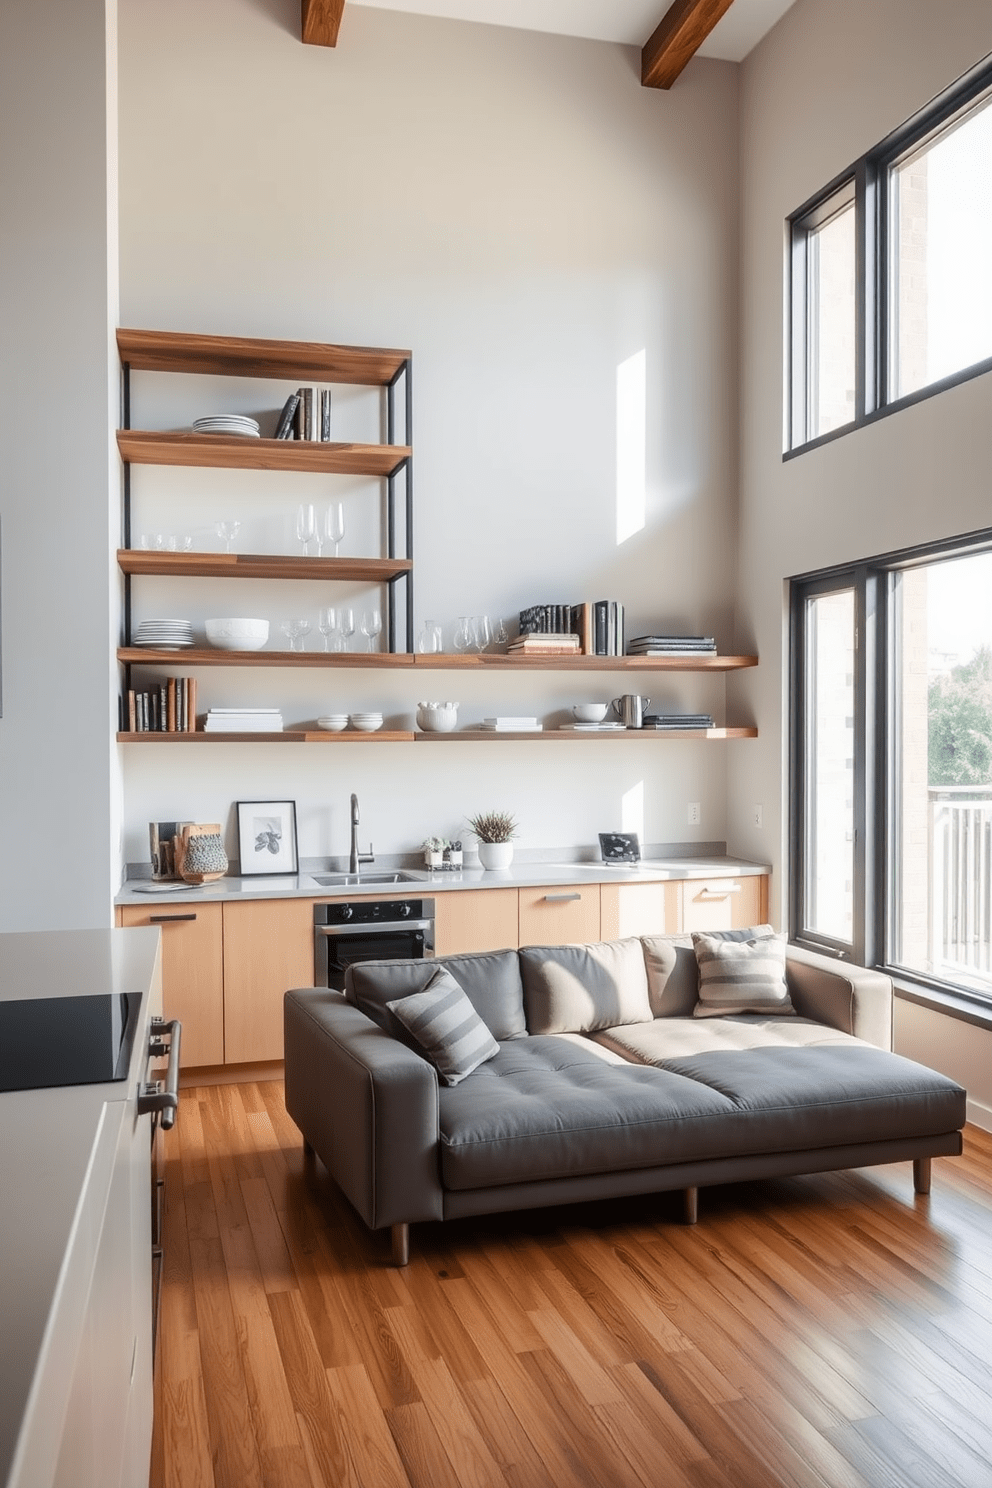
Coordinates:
x,y
961,885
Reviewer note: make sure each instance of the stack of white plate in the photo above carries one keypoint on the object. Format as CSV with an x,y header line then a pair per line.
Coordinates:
x,y
227,423
333,722
164,635
366,723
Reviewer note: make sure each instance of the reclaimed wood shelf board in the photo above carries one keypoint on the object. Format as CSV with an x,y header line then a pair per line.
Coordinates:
x,y
245,356
228,451
259,566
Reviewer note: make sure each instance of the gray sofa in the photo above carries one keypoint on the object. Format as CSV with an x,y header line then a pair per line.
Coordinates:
x,y
606,1082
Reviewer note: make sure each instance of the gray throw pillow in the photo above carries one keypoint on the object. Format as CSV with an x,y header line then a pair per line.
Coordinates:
x,y
741,976
445,1027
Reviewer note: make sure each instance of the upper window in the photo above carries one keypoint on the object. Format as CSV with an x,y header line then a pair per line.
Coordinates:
x,y
890,292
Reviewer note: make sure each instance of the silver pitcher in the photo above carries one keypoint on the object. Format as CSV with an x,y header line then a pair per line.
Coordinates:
x,y
630,709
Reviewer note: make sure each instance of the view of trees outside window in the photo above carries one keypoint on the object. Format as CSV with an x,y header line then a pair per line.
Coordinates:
x,y
941,290
831,336
942,920
829,766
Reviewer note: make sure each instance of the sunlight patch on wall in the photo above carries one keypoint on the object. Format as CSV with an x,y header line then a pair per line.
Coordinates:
x,y
632,395
632,811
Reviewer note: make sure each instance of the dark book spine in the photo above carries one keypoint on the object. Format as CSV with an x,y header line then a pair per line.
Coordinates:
x,y
599,627
299,426
531,620
325,414
284,428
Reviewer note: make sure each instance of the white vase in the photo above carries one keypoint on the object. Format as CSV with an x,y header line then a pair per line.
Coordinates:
x,y
495,854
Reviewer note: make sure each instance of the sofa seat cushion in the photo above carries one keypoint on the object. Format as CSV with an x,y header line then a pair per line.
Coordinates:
x,y
672,1038
546,1107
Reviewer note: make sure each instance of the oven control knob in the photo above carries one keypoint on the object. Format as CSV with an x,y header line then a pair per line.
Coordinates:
x,y
346,911
404,910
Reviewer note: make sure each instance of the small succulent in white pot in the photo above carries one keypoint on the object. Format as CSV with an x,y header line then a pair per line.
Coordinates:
x,y
434,851
495,831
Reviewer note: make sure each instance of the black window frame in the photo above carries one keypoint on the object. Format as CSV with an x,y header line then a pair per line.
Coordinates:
x,y
876,764
869,178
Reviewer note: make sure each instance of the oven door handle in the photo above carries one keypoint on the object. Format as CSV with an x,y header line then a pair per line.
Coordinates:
x,y
157,1096
375,927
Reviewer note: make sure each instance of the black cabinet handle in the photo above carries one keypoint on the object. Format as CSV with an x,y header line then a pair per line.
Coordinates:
x,y
169,919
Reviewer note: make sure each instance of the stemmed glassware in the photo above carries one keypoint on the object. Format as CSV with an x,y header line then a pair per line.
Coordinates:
x,y
306,529
333,525
296,630
346,626
226,531
480,632
499,636
327,624
463,633
371,625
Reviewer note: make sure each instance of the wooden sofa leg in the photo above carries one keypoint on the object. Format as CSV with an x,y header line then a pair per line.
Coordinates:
x,y
400,1236
690,1205
921,1174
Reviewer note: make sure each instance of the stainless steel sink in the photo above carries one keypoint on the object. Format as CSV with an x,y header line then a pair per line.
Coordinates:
x,y
354,880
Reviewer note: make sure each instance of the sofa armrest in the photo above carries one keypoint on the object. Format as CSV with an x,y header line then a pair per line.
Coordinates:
x,y
367,1104
843,996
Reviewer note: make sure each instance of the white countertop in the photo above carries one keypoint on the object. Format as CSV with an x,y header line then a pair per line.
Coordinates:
x,y
419,881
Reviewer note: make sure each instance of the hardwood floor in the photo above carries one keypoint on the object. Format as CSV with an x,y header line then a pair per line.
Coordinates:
x,y
832,1330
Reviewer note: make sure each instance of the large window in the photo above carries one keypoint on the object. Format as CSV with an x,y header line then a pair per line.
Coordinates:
x,y
890,295
892,765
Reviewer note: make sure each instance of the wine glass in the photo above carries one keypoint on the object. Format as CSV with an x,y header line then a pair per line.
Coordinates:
x,y
334,524
371,626
463,634
429,640
480,632
499,636
226,531
305,526
346,626
296,630
327,624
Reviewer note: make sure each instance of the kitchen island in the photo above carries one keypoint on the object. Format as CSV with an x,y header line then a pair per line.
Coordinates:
x,y
75,1235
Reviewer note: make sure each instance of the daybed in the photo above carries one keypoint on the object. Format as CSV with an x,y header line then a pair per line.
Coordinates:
x,y
611,1069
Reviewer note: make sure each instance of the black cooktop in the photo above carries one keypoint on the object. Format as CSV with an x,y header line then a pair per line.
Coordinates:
x,y
46,1041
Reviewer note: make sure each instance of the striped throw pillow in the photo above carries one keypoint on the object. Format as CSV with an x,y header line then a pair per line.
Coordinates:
x,y
741,976
445,1027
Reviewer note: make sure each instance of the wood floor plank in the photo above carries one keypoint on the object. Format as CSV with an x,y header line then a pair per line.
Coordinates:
x,y
328,1445
372,1445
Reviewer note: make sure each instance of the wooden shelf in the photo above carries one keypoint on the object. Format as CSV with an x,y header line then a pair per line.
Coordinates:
x,y
260,566
490,735
229,452
241,356
504,662
287,736
213,656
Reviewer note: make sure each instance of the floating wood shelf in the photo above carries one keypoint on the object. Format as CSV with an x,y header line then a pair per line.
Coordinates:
x,y
504,662
229,452
210,656
403,736
489,735
260,566
214,656
246,356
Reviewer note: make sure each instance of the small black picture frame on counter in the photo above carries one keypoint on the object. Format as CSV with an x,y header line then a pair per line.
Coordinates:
x,y
619,847
267,837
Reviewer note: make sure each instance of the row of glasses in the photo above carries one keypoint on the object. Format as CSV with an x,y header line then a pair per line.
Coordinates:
x,y
477,633
322,527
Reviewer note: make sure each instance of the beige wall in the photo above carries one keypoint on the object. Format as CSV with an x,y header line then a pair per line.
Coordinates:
x,y
831,80
526,217
59,480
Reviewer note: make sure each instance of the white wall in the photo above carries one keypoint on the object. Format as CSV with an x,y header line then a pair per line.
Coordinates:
x,y
516,209
58,487
831,80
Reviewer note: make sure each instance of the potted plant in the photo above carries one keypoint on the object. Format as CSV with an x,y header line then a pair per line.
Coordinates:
x,y
495,831
434,851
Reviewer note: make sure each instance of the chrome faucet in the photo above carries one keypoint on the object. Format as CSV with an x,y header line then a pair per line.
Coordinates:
x,y
357,858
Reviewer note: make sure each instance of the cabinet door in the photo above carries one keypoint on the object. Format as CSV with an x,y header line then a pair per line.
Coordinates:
x,y
268,948
639,909
475,920
724,903
559,915
192,973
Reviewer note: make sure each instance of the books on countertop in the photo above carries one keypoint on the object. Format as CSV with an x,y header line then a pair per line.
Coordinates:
x,y
243,721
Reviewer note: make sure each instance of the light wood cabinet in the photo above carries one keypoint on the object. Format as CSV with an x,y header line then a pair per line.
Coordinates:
x,y
268,948
192,973
724,903
559,915
475,920
639,909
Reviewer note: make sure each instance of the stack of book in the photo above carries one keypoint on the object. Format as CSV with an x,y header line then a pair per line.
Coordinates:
x,y
243,721
306,414
596,628
678,720
168,708
550,643
672,645
507,724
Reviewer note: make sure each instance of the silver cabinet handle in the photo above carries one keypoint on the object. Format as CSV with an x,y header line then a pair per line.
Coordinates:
x,y
560,898
168,919
719,893
156,1096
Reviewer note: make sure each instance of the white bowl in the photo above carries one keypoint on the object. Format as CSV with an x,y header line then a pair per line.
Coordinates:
x,y
589,712
366,723
237,635
333,722
437,718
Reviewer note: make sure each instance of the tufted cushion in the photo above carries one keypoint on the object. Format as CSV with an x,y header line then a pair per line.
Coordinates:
x,y
490,981
576,988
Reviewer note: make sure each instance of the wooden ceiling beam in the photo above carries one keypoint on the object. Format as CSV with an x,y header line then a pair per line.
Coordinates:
x,y
321,20
679,36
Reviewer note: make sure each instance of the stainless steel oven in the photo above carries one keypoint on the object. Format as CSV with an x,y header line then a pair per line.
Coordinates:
x,y
369,930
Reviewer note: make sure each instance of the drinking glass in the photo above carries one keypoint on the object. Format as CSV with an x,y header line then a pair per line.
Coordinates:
x,y
499,635
226,531
334,524
371,626
463,634
480,632
327,624
429,640
296,630
305,525
346,626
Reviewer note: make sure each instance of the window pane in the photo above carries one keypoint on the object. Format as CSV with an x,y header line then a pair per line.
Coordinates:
x,y
831,324
941,910
829,765
940,286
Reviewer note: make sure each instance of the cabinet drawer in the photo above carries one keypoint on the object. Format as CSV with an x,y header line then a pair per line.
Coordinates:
x,y
723,903
268,948
639,909
192,973
559,915
475,920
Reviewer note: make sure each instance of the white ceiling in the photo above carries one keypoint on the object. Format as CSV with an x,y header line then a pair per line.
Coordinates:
x,y
629,21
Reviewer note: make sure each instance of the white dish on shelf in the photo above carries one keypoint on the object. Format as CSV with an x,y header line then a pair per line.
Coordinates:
x,y
590,712
237,634
333,723
366,723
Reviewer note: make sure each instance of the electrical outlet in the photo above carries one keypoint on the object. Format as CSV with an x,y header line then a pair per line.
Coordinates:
x,y
758,822
693,814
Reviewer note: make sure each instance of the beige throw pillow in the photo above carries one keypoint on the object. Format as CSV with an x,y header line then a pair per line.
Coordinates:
x,y
741,976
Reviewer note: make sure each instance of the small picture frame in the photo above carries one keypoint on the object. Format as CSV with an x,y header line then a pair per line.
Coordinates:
x,y
267,837
619,847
